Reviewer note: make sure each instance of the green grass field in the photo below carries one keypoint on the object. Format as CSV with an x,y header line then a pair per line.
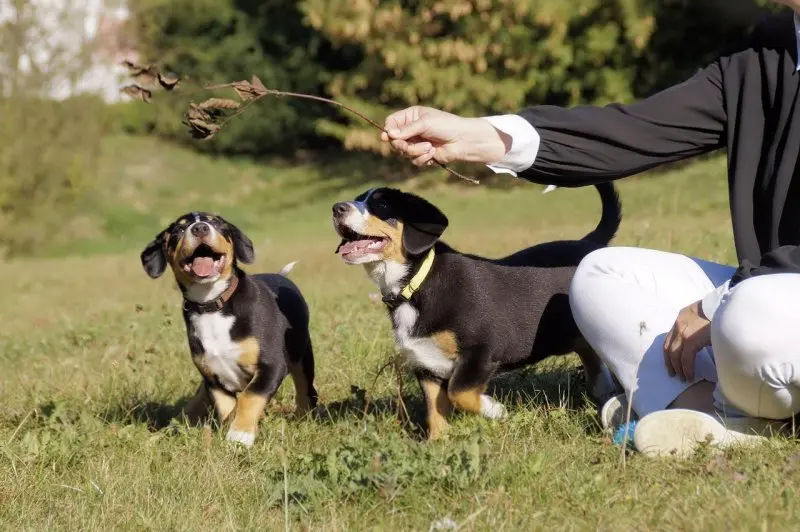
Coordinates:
x,y
93,355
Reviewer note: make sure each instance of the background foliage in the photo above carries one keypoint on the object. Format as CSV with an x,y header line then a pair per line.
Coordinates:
x,y
48,149
467,56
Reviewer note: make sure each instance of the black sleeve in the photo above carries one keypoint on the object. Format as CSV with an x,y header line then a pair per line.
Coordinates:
x,y
587,145
785,259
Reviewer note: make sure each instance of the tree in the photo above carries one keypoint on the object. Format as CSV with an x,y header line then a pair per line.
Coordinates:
x,y
218,41
477,57
47,148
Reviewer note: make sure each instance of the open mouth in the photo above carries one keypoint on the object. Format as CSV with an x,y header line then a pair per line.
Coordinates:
x,y
355,245
204,262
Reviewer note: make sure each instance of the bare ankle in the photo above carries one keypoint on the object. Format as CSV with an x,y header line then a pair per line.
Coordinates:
x,y
699,396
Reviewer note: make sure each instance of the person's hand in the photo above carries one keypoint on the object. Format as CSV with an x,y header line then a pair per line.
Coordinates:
x,y
424,134
690,334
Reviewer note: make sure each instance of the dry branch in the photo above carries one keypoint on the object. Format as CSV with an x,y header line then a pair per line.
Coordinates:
x,y
207,118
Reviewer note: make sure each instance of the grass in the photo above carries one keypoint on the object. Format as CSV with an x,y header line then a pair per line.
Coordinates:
x,y
93,355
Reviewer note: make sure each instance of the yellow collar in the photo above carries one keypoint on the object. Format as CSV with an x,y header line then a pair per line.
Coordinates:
x,y
416,281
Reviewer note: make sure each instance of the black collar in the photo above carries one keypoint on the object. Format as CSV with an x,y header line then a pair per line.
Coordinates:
x,y
392,301
215,304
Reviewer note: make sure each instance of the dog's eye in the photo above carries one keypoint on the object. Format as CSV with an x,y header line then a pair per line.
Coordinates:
x,y
215,222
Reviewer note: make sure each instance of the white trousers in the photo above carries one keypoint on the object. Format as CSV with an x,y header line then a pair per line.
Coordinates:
x,y
625,301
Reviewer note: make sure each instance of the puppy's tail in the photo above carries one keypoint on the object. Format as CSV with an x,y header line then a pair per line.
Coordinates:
x,y
287,269
611,217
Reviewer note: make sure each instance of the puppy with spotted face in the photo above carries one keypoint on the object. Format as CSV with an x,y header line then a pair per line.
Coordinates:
x,y
246,333
460,319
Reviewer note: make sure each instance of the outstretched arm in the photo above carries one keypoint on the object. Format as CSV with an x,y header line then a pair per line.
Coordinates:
x,y
573,147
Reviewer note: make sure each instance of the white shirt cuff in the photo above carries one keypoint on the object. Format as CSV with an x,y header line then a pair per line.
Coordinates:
x,y
712,301
524,144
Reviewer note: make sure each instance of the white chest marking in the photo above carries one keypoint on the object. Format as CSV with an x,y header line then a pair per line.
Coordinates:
x,y
420,352
222,353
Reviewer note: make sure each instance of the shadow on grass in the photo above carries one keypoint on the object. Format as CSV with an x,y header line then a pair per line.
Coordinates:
x,y
156,415
359,407
558,386
555,386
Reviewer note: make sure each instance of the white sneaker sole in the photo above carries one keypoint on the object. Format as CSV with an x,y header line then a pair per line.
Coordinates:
x,y
615,412
680,432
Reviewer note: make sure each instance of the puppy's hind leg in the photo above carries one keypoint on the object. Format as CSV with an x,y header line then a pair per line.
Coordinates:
x,y
303,377
601,382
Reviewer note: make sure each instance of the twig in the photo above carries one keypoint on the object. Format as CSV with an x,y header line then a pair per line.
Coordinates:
x,y
285,464
11,438
362,116
374,383
403,414
253,91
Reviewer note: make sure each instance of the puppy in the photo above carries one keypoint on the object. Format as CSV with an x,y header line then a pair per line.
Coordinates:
x,y
459,318
245,332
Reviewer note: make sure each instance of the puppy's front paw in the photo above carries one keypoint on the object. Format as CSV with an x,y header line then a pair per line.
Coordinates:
x,y
241,436
491,409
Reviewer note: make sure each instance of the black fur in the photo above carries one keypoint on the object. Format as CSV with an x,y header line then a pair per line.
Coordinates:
x,y
268,308
505,313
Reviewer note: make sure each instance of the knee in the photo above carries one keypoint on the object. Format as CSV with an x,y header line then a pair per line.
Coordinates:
x,y
748,335
598,263
748,317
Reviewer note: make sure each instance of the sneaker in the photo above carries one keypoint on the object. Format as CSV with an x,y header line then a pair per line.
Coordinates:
x,y
680,432
615,412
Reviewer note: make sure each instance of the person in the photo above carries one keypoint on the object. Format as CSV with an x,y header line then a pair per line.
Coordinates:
x,y
702,350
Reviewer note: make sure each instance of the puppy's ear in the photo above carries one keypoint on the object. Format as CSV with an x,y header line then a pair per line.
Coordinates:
x,y
423,224
242,246
154,260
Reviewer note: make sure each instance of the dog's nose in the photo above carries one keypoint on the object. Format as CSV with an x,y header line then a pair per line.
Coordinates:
x,y
340,208
200,229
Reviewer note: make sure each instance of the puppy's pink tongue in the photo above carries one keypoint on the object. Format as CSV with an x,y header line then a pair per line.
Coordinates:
x,y
348,248
203,266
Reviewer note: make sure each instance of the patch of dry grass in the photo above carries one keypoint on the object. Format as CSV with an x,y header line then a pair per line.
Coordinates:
x,y
93,354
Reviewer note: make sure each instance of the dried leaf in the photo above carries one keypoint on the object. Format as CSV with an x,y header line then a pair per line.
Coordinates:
x,y
196,112
147,76
135,91
142,74
255,82
247,90
167,83
219,103
202,129
150,75
132,67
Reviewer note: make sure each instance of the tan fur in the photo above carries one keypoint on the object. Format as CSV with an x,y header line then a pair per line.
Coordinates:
x,y
250,353
394,234
438,407
249,409
447,343
301,389
223,403
467,400
202,365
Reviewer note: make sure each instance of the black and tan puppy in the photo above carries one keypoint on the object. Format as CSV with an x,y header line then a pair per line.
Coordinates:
x,y
245,332
461,318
